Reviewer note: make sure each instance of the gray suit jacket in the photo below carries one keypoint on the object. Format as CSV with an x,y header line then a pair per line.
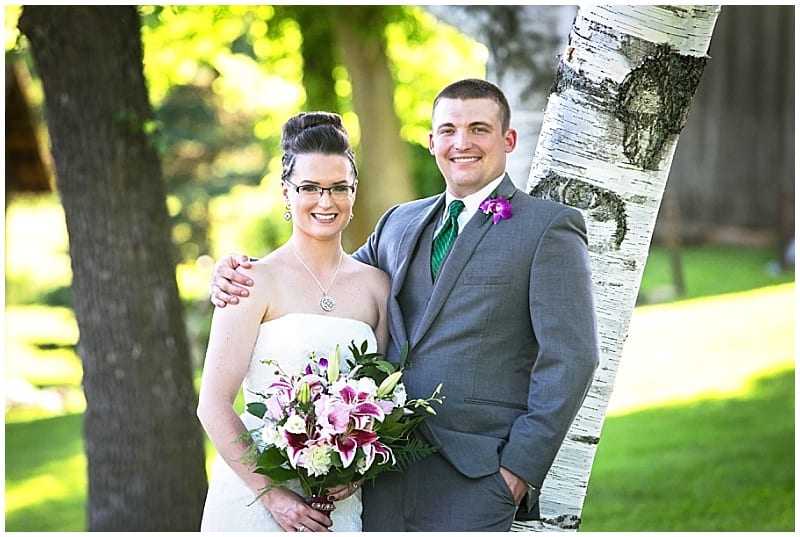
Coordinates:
x,y
509,329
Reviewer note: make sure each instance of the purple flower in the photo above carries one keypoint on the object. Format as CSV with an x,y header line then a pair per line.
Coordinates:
x,y
499,208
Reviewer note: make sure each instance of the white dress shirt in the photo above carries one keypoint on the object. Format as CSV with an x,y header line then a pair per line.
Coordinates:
x,y
471,203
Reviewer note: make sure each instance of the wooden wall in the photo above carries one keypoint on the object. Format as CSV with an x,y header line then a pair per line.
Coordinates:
x,y
733,174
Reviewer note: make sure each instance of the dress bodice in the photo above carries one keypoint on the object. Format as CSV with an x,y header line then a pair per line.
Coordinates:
x,y
289,339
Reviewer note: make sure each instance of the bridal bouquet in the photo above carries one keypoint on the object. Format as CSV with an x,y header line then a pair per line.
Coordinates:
x,y
327,428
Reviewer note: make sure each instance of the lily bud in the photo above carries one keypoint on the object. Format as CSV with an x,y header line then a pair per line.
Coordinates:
x,y
333,365
389,383
303,393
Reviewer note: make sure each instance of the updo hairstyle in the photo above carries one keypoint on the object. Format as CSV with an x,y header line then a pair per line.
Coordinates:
x,y
314,132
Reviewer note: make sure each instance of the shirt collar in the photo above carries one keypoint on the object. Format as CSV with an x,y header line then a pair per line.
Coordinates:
x,y
471,202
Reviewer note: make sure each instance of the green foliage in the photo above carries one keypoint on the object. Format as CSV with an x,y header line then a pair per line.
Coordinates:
x,y
213,74
223,79
369,364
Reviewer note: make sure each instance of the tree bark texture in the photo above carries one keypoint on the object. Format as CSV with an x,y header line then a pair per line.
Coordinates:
x,y
384,174
143,442
620,99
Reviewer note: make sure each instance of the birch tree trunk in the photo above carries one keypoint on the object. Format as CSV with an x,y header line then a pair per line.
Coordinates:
x,y
620,99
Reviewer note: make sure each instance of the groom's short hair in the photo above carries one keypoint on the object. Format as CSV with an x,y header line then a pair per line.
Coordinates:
x,y
475,88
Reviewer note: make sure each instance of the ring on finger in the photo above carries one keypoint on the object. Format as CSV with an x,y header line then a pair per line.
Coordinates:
x,y
301,528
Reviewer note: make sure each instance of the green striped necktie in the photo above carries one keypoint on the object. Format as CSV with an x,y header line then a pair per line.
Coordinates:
x,y
444,239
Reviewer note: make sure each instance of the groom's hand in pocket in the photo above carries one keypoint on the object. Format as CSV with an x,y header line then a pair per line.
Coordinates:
x,y
516,484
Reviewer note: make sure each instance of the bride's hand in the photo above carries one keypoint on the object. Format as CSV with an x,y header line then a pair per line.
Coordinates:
x,y
340,492
226,282
292,513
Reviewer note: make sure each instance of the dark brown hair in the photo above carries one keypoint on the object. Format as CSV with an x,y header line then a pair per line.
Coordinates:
x,y
474,88
314,132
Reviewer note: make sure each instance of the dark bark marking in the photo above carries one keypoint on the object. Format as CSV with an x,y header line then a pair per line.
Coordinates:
x,y
653,103
586,439
565,522
602,205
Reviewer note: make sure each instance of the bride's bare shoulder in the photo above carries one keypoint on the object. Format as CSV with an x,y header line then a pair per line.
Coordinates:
x,y
369,274
267,269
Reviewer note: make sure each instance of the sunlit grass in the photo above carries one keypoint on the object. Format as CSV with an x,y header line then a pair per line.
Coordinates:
x,y
711,270
45,472
704,347
718,464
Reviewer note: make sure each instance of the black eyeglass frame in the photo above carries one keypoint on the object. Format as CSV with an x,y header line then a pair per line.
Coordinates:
x,y
321,189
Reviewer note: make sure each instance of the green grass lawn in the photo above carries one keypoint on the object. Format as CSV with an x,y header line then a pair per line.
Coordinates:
x,y
718,464
699,436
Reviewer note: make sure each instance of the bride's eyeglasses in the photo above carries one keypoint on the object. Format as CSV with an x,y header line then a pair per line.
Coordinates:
x,y
337,192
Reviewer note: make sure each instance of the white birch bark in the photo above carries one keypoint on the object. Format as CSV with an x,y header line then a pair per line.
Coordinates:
x,y
611,126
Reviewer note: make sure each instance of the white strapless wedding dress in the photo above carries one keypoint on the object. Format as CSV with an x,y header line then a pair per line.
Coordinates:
x,y
288,340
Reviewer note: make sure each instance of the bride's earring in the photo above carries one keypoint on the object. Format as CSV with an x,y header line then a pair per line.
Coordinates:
x,y
351,216
288,214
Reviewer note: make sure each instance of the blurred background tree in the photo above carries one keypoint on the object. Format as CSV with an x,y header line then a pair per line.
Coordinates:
x,y
144,450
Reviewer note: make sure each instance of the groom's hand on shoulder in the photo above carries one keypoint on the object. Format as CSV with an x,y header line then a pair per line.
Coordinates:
x,y
226,283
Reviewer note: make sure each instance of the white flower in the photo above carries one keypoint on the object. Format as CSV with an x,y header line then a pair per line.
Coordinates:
x,y
272,437
295,424
399,395
318,460
361,465
367,385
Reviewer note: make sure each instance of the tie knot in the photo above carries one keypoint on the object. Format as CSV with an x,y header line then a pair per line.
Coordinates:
x,y
455,208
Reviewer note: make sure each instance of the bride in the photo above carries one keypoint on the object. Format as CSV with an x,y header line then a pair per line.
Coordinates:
x,y
310,297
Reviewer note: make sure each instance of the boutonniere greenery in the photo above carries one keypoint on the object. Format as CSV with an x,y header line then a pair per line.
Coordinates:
x,y
498,207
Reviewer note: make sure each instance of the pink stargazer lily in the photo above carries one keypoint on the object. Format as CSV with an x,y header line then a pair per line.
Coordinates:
x,y
326,424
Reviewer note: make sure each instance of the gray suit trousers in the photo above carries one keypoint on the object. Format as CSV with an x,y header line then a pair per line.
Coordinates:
x,y
434,496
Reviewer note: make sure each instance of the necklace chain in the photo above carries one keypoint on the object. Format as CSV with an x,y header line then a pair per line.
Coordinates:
x,y
327,303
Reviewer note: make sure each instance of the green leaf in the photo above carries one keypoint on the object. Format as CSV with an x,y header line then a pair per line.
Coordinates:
x,y
278,474
271,457
386,367
257,409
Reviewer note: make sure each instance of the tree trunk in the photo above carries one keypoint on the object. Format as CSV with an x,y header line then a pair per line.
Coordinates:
x,y
143,442
319,58
621,97
384,174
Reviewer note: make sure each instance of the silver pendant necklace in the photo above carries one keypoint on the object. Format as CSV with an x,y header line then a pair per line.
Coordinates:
x,y
327,303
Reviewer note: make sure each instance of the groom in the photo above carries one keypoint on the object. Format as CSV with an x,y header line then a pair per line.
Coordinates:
x,y
506,322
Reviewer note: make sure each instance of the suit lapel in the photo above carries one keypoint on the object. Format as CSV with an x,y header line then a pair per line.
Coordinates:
x,y
474,231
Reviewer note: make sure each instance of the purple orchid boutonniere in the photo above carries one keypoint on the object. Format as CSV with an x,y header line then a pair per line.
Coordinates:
x,y
498,207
